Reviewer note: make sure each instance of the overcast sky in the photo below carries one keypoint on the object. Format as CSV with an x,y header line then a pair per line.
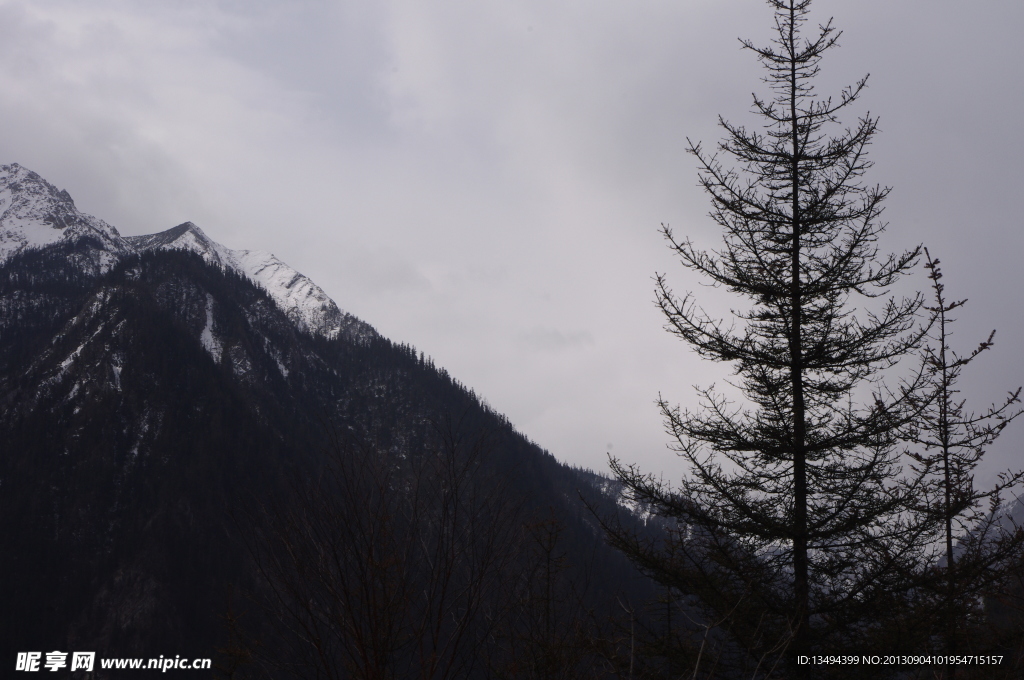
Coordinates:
x,y
485,179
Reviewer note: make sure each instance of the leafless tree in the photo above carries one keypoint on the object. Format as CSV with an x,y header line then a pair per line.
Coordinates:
x,y
549,631
388,564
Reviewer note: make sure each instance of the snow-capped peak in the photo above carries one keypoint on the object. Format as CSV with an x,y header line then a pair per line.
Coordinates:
x,y
34,214
185,236
305,303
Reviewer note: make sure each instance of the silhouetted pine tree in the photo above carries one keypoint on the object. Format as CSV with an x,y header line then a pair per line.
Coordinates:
x,y
978,544
792,522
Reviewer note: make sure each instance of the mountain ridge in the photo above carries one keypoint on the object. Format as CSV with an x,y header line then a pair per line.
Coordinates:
x,y
36,214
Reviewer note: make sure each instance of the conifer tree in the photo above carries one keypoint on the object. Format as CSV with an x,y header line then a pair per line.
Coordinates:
x,y
977,542
792,523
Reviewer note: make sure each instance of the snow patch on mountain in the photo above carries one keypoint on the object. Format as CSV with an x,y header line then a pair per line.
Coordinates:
x,y
211,343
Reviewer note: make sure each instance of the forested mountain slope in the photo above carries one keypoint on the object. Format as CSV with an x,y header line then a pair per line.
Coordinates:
x,y
155,403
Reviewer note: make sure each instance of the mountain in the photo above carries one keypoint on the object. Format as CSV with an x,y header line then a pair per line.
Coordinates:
x,y
36,214
303,301
171,406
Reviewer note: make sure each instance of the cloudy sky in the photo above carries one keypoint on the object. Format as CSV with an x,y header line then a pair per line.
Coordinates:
x,y
485,179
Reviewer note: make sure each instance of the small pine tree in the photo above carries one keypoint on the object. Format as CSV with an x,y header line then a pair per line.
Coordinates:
x,y
792,521
977,542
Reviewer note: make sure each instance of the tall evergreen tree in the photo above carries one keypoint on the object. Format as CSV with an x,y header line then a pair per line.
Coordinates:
x,y
792,520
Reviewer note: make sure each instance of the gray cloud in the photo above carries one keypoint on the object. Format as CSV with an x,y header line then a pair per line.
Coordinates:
x,y
553,340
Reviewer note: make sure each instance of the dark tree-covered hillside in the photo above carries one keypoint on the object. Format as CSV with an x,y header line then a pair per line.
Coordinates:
x,y
151,413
